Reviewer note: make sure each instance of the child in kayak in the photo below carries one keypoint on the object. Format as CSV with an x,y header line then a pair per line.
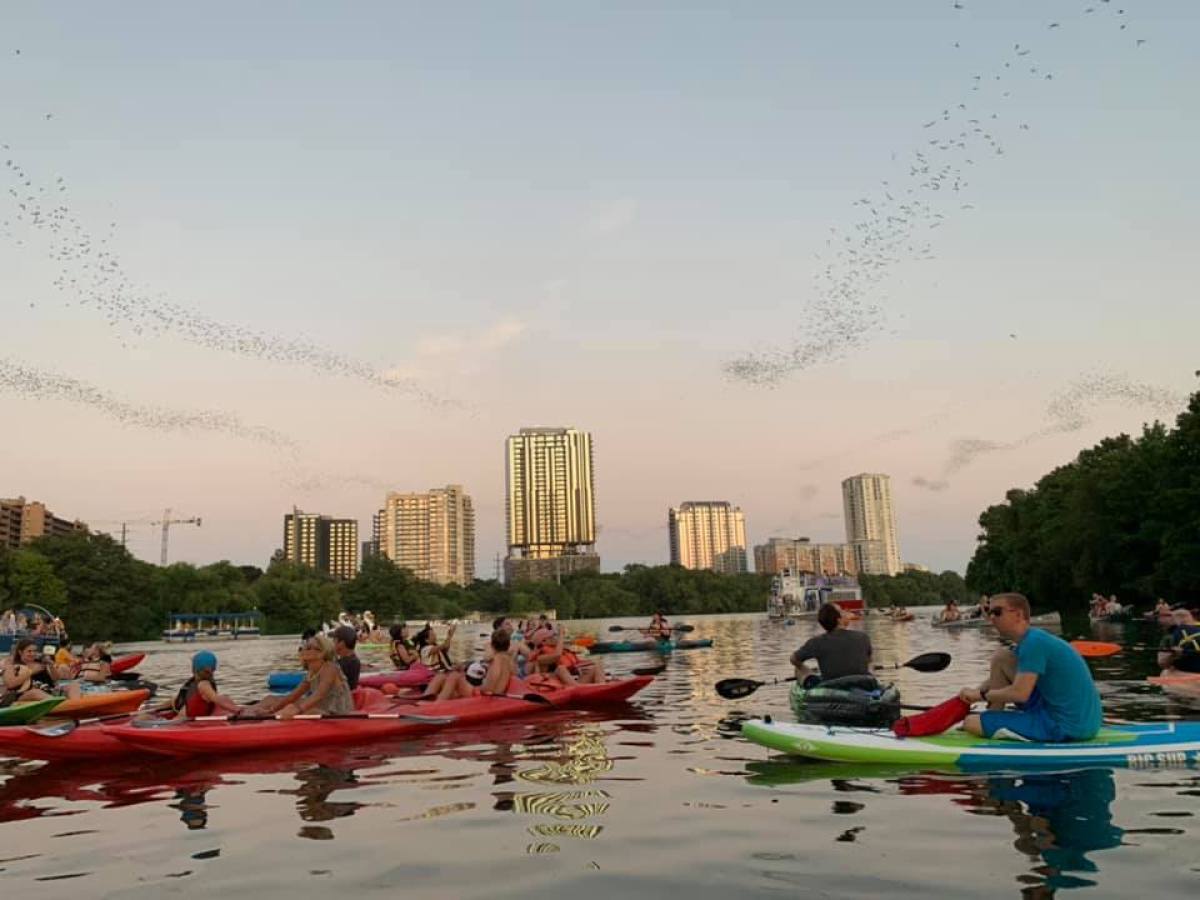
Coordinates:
x,y
198,696
323,691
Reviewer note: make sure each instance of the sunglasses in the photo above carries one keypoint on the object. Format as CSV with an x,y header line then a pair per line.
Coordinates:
x,y
996,611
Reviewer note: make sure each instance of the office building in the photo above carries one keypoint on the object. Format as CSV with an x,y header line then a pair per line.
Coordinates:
x,y
871,523
324,543
549,504
708,534
431,534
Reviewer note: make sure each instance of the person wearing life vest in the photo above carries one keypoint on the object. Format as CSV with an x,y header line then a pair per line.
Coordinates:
x,y
1180,649
27,677
198,696
660,628
434,655
550,655
403,652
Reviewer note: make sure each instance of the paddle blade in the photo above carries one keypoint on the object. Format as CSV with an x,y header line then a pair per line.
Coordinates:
x,y
737,688
650,670
616,628
62,729
1095,648
928,662
685,628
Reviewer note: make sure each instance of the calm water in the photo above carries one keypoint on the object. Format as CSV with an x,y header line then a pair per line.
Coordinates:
x,y
653,797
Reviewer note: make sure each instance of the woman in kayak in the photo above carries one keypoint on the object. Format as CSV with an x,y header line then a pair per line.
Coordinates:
x,y
434,655
323,691
96,667
404,653
550,656
26,676
198,696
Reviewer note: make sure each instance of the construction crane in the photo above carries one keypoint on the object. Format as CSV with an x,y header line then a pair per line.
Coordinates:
x,y
166,524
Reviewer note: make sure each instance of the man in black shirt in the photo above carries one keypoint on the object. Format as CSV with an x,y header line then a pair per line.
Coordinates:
x,y
344,639
838,652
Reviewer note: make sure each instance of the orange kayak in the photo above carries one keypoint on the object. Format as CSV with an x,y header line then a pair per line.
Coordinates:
x,y
100,704
584,640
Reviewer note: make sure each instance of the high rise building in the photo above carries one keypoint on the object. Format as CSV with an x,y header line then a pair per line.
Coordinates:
x,y
549,504
800,555
23,521
323,543
432,534
871,523
708,534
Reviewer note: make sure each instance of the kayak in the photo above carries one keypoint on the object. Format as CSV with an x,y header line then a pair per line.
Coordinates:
x,y
854,700
125,663
964,622
24,713
224,736
282,682
104,703
1176,682
658,646
1136,746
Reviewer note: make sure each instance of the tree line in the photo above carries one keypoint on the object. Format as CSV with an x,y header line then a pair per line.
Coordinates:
x,y
915,589
103,593
1122,518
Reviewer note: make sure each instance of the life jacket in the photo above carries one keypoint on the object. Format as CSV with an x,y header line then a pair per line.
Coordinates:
x,y
1189,639
191,702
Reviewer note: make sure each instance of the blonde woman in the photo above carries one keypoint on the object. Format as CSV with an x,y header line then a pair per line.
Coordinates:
x,y
323,691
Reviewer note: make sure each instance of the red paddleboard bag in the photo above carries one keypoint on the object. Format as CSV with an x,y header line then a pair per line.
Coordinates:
x,y
935,721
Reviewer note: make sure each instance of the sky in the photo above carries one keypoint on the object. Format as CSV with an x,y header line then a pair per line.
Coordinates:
x,y
257,256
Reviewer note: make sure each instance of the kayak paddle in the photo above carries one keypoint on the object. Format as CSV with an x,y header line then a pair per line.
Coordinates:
x,y
650,670
736,688
615,628
1095,648
304,717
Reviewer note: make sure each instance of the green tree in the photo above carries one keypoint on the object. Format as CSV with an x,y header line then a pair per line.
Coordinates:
x,y
27,577
293,597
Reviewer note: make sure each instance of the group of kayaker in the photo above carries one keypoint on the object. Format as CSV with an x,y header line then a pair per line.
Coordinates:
x,y
1101,606
1047,681
36,625
30,674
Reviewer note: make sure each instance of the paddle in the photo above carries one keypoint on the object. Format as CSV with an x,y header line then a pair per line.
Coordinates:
x,y
736,688
308,717
615,628
1095,648
61,729
650,670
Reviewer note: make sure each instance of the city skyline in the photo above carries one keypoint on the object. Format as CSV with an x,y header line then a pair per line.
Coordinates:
x,y
302,264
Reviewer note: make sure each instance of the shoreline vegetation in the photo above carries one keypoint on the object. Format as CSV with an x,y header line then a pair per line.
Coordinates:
x,y
1123,518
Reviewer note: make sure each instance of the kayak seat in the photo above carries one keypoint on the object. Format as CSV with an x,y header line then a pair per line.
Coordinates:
x,y
852,683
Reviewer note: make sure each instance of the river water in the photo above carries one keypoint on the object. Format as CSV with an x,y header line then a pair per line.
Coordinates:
x,y
654,797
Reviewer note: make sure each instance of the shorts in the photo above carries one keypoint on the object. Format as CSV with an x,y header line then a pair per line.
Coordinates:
x,y
1032,723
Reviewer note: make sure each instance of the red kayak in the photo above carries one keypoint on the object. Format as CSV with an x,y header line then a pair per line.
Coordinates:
x,y
415,675
225,736
125,663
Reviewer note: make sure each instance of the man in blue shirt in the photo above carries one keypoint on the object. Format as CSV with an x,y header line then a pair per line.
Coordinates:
x,y
1057,698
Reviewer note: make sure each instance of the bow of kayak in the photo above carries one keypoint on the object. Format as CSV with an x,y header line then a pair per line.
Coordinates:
x,y
24,713
1136,745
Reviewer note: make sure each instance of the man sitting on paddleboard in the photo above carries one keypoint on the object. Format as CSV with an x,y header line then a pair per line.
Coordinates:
x,y
1180,649
1053,687
838,652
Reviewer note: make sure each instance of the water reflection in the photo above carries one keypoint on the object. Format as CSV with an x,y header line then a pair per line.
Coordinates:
x,y
1059,817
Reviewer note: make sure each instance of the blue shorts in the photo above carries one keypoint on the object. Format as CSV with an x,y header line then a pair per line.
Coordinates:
x,y
1031,723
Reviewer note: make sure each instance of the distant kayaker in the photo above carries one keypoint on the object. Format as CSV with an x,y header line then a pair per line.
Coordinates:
x,y
1180,649
838,651
660,628
950,613
322,691
403,653
1052,685
345,639
198,696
